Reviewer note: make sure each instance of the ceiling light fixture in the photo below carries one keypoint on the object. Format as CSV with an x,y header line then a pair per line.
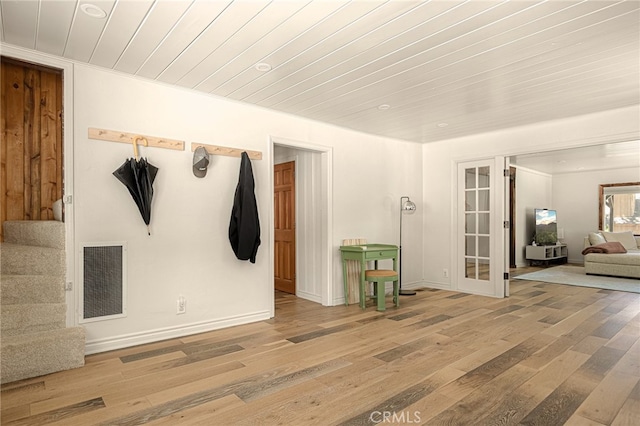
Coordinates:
x,y
443,124
93,10
384,107
263,67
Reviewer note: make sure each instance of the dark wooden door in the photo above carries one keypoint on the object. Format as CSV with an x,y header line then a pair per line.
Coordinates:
x,y
285,227
31,152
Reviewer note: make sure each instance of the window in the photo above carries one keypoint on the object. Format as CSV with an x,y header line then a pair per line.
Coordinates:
x,y
619,208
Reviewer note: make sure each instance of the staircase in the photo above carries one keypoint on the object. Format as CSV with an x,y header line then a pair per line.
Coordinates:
x,y
34,337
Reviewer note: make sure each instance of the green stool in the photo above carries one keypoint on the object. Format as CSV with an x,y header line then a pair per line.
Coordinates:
x,y
379,277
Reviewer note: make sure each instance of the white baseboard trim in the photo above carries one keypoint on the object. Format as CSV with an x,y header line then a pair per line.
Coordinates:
x,y
309,296
150,336
428,284
438,286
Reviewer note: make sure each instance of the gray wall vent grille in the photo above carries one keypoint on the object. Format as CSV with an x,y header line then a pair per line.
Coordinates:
x,y
103,283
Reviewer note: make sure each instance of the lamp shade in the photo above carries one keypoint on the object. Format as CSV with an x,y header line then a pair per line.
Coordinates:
x,y
408,207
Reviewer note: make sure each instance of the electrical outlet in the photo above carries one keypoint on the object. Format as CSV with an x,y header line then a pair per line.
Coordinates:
x,y
181,305
445,272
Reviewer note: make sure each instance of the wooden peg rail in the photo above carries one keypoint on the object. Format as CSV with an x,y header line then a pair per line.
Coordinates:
x,y
230,152
123,137
133,138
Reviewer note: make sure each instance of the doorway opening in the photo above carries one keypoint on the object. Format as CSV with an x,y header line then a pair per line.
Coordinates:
x,y
32,160
63,70
312,211
566,179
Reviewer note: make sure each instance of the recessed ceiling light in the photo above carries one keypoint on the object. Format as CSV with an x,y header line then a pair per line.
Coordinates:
x,y
443,124
93,10
384,107
263,67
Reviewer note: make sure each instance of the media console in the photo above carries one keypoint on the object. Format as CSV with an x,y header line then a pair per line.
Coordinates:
x,y
546,254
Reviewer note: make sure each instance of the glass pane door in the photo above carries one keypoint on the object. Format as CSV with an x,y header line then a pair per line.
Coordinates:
x,y
478,236
477,219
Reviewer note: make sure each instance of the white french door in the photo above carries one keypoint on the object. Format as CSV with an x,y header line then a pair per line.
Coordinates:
x,y
480,249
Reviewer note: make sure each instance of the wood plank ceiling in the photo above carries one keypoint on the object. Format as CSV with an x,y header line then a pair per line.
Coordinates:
x,y
415,70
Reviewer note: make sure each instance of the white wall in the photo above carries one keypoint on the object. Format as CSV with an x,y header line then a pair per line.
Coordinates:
x,y
575,196
188,252
533,190
439,159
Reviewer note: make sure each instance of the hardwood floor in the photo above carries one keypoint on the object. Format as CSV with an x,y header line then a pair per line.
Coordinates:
x,y
547,355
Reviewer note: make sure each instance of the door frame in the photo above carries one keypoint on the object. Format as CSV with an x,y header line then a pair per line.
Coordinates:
x,y
511,204
71,293
325,186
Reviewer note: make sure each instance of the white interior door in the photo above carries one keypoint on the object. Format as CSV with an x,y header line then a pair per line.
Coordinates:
x,y
480,249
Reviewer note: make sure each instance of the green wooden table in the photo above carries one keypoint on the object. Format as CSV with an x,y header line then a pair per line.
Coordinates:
x,y
365,253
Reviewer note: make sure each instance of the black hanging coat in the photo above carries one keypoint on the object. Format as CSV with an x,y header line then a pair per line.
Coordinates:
x,y
244,229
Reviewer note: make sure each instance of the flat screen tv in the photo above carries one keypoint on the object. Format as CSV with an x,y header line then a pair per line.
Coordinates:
x,y
546,227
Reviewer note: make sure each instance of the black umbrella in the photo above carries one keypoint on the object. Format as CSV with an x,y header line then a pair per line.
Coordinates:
x,y
138,177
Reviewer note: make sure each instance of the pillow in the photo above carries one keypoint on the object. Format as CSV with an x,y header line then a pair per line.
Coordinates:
x,y
596,238
626,238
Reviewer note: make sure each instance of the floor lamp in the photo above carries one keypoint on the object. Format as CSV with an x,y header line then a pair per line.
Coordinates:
x,y
406,207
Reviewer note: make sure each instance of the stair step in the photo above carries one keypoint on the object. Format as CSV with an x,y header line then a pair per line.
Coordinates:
x,y
21,289
42,233
37,354
34,338
32,318
17,259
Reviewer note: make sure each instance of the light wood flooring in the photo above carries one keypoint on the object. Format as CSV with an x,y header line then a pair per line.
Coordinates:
x,y
548,355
